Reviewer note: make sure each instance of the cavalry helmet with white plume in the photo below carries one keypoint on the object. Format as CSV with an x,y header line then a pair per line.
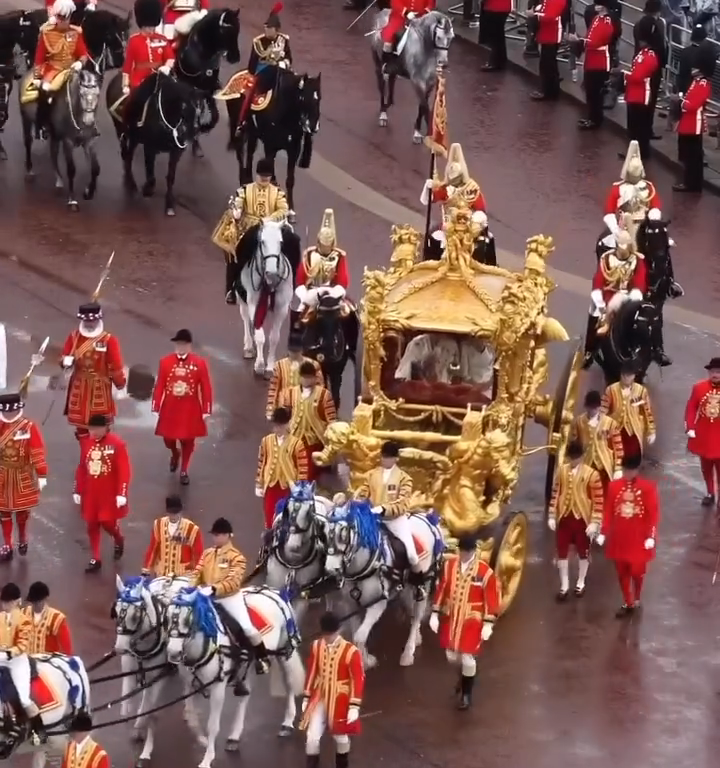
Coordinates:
x,y
625,238
63,9
148,13
633,169
327,235
456,170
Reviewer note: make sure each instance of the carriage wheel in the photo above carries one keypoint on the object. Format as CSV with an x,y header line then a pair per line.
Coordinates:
x,y
509,556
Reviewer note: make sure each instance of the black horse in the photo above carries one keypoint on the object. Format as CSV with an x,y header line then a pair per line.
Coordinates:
x,y
484,251
331,337
167,123
288,123
13,33
628,340
198,60
654,242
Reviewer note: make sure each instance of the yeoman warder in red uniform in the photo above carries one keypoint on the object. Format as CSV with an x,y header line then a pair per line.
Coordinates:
x,y
702,424
183,399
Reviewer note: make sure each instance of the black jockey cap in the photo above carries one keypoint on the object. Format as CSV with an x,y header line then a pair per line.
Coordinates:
x,y
467,543
706,58
81,723
593,399
148,13
183,336
574,450
98,420
631,461
698,34
38,592
713,365
173,504
10,592
273,20
11,402
390,450
281,416
264,167
90,311
220,526
329,623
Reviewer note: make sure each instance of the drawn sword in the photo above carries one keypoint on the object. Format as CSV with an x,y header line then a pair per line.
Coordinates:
x,y
103,276
353,23
36,360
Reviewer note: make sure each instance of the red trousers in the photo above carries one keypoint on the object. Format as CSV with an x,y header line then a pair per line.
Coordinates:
x,y
631,445
571,531
273,494
631,577
313,469
6,521
710,469
393,28
181,454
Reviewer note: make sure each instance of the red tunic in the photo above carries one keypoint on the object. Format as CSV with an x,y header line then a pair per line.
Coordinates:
x,y
597,44
50,631
102,475
22,462
465,599
692,120
182,396
57,50
92,755
549,18
144,55
702,414
175,9
335,677
398,12
636,281
612,202
442,195
637,80
630,517
98,365
340,277
173,554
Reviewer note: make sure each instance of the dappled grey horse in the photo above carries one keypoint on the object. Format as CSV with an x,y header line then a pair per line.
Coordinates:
x,y
421,51
71,124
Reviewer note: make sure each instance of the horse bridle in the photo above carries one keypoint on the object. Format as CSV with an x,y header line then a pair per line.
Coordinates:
x,y
258,266
123,631
209,649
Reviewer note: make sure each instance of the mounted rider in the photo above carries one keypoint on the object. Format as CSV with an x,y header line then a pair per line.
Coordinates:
x,y
89,6
620,276
179,11
147,52
402,12
60,48
250,205
633,194
50,630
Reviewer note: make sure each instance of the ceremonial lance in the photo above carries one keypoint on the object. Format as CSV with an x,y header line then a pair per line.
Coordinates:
x,y
36,360
355,21
437,142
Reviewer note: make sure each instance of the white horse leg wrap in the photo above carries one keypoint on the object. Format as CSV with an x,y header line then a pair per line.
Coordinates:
x,y
342,744
452,657
315,729
468,665
243,619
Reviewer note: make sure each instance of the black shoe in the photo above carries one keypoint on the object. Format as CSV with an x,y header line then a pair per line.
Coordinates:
x,y
119,549
624,611
23,549
579,591
184,478
466,686
38,734
684,188
588,125
6,554
708,501
174,463
240,689
562,596
342,760
93,566
663,360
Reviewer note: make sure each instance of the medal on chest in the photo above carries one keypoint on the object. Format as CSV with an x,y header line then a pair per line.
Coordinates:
x,y
711,405
628,507
94,465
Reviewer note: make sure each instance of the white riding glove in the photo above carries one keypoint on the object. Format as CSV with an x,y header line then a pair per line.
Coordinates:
x,y
36,83
90,7
259,493
434,622
353,715
377,510
691,433
165,69
67,361
121,501
486,631
76,498
207,591
236,213
42,482
410,15
284,64
552,523
649,543
592,530
600,540
76,66
45,87
617,475
651,438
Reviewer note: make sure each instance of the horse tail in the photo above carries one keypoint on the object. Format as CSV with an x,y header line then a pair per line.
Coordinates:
x,y
306,147
294,673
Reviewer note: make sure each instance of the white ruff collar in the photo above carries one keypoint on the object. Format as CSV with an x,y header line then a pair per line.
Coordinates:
x,y
11,419
94,333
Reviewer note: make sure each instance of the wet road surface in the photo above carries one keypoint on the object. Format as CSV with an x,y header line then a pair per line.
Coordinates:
x,y
556,683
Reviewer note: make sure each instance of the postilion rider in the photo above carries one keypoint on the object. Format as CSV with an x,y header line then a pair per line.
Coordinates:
x,y
702,425
286,372
401,13
176,545
465,608
282,462
220,573
93,357
60,49
23,471
333,694
50,631
389,490
250,205
147,52
179,10
575,514
15,634
621,276
628,403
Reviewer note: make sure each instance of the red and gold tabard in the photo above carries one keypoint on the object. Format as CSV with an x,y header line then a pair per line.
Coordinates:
x,y
98,365
15,632
22,462
102,475
57,50
390,489
50,632
86,754
630,408
282,461
335,678
702,415
286,374
631,515
602,441
311,413
222,568
316,268
465,598
577,492
182,397
175,550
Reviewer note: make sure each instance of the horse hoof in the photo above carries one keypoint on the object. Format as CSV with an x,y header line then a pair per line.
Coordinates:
x,y
198,153
248,354
260,372
383,120
137,736
148,190
417,137
232,745
30,175
142,762
170,212
285,731
131,186
268,374
88,194
73,206
59,184
407,660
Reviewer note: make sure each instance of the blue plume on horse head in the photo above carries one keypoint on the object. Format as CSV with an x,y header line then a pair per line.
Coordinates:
x,y
132,590
359,515
204,618
304,490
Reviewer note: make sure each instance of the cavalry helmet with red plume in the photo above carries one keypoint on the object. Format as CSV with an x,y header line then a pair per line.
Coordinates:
x,y
273,20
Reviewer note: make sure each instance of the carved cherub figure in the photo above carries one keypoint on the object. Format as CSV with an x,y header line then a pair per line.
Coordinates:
x,y
406,242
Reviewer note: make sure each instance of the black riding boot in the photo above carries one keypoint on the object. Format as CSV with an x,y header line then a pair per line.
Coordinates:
x,y
231,275
389,62
38,729
658,344
342,759
312,761
590,341
466,686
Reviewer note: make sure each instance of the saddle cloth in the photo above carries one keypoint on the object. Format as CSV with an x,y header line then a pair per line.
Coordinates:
x,y
395,549
238,85
29,93
116,110
226,234
42,691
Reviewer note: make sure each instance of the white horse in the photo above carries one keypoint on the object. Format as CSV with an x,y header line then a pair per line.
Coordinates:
x,y
360,550
267,282
197,639
141,642
60,690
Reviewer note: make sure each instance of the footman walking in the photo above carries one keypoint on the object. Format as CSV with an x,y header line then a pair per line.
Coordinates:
x,y
702,424
176,545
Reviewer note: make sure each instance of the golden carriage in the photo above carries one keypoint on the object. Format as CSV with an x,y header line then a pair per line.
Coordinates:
x,y
463,441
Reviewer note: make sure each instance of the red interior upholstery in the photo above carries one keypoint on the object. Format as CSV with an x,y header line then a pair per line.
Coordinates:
x,y
438,393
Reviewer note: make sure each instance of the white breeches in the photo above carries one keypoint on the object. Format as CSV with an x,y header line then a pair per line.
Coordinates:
x,y
168,30
467,662
400,527
19,667
315,729
241,615
311,296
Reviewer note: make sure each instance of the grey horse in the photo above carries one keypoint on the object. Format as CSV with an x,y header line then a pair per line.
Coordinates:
x,y
422,50
71,124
